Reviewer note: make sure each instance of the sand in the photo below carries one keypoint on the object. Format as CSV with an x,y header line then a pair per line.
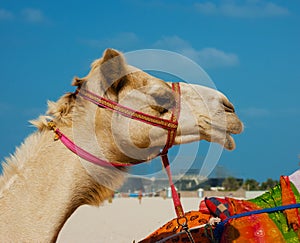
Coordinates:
x,y
123,220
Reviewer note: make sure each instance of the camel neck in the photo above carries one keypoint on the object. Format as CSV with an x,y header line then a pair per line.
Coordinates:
x,y
43,185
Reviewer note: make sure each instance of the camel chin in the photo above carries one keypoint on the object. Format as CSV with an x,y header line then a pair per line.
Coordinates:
x,y
224,138
229,142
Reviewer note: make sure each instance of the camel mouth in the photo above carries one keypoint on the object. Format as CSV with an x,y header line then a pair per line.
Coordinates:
x,y
222,135
229,142
224,138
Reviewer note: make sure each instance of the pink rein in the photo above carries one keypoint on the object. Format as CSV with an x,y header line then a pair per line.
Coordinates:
x,y
86,155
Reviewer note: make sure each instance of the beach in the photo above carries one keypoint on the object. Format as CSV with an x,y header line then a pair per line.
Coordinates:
x,y
122,221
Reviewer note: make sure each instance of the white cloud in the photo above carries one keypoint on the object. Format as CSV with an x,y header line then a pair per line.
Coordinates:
x,y
172,42
7,109
248,9
212,57
209,57
30,15
256,112
264,112
33,15
120,41
206,8
206,57
5,14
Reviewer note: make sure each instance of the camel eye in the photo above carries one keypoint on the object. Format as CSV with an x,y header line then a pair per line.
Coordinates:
x,y
162,104
161,99
160,109
167,100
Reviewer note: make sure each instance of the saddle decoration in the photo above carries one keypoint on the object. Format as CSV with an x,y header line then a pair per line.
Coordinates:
x,y
271,217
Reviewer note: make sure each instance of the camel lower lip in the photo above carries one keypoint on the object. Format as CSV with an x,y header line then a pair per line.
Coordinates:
x,y
229,143
224,136
226,140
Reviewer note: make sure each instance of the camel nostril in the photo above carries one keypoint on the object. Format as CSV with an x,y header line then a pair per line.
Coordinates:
x,y
228,107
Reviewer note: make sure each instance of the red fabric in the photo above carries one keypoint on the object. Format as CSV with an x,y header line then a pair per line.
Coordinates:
x,y
203,208
194,219
218,207
250,229
288,197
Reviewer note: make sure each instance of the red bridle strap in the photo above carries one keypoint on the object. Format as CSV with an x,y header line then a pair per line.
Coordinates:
x,y
174,118
176,200
125,111
164,154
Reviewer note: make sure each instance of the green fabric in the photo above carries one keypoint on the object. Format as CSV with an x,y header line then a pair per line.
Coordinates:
x,y
273,198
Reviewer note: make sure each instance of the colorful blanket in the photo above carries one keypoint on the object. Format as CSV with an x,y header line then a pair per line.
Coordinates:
x,y
278,226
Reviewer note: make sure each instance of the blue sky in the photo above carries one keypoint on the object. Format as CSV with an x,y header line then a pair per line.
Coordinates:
x,y
250,49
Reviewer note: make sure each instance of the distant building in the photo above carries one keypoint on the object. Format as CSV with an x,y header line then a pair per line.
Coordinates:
x,y
190,181
147,185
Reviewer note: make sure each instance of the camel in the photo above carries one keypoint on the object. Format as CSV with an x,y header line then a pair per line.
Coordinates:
x,y
43,182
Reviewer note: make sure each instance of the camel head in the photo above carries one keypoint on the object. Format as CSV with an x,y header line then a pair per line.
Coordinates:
x,y
44,174
205,114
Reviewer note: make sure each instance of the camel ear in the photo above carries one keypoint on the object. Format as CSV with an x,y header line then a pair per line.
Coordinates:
x,y
113,69
78,81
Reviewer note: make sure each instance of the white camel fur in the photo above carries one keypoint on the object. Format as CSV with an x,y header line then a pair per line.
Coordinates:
x,y
43,182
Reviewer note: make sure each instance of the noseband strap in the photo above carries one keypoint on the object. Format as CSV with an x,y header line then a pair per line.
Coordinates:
x,y
128,112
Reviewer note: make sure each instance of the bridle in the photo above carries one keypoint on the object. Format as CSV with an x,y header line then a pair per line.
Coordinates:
x,y
170,125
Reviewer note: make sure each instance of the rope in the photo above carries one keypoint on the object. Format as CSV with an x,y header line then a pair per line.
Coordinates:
x,y
189,234
209,233
220,227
